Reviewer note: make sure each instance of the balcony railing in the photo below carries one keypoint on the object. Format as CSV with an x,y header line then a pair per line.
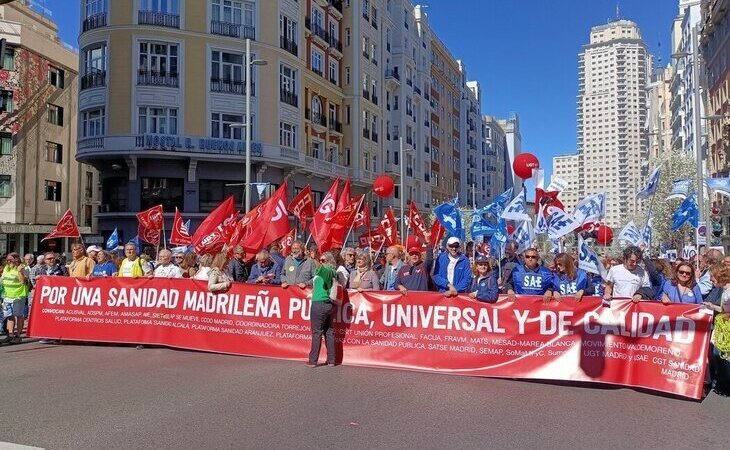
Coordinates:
x,y
335,43
235,30
337,4
374,136
289,45
335,126
289,98
228,86
390,73
374,99
366,94
315,117
159,19
94,79
154,78
95,21
366,133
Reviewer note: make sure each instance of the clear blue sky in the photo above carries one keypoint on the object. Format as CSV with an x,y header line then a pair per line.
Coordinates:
x,y
523,52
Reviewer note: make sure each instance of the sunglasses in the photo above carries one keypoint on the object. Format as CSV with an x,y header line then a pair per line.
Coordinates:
x,y
455,245
530,256
682,272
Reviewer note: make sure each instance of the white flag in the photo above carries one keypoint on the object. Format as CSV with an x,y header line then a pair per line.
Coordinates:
x,y
631,234
523,236
516,209
560,223
588,260
557,184
591,209
541,224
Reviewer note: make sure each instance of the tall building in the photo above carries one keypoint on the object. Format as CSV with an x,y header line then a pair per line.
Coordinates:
x,y
683,83
612,113
567,167
495,165
511,129
473,168
659,123
39,176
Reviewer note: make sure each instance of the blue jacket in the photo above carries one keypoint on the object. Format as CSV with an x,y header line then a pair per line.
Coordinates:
x,y
530,282
486,288
564,286
672,291
257,271
462,273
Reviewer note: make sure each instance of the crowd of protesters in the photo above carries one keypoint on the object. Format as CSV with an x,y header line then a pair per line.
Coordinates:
x,y
451,271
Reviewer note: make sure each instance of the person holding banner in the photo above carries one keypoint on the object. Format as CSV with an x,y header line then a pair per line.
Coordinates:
x,y
452,273
265,271
720,357
132,265
322,310
530,278
414,275
165,268
298,269
628,280
393,264
484,288
569,280
683,288
82,266
104,266
363,278
219,280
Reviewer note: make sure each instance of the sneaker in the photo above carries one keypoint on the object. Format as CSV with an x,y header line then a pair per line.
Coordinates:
x,y
8,339
310,364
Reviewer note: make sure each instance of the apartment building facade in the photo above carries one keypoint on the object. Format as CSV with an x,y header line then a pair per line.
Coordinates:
x,y
39,176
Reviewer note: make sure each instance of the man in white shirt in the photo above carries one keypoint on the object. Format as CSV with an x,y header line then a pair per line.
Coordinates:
x,y
628,280
166,269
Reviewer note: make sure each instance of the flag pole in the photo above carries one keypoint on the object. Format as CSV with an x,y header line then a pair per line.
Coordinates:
x,y
474,208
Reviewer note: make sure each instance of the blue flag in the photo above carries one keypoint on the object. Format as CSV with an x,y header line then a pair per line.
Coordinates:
x,y
500,203
498,239
647,231
136,241
680,189
449,215
113,242
479,225
720,185
687,211
651,185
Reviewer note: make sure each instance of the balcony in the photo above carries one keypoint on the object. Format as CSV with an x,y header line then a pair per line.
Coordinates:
x,y
316,118
235,30
335,47
227,86
366,133
158,19
366,94
318,32
93,22
289,45
335,126
335,7
374,136
290,98
374,99
154,78
392,78
93,80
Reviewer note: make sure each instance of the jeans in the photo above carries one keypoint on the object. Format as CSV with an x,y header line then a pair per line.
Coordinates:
x,y
321,315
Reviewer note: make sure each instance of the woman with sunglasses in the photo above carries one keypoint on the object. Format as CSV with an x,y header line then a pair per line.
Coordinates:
x,y
569,280
484,288
683,288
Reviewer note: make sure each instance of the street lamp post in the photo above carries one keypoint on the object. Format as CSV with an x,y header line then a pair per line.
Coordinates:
x,y
247,124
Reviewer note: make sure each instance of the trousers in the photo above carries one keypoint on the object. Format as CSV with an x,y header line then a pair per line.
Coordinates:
x,y
321,316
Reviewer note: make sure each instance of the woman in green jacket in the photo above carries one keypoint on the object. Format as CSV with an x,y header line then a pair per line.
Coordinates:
x,y
322,310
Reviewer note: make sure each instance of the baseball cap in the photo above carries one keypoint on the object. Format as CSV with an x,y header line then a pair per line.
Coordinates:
x,y
453,240
481,259
93,248
414,250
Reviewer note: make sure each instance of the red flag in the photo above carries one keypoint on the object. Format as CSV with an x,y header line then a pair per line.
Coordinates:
x,y
66,227
437,233
319,228
208,238
390,226
547,198
414,241
415,222
343,221
288,240
302,206
362,218
150,224
271,224
344,199
148,234
179,234
373,238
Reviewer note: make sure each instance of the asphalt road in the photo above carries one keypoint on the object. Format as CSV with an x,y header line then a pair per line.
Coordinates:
x,y
106,397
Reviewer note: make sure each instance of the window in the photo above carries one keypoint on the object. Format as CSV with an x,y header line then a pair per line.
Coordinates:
x,y
53,191
235,12
95,59
287,134
8,59
227,66
347,76
317,59
156,120
288,84
167,192
317,19
334,71
54,152
162,6
56,77
93,123
114,194
5,186
288,35
158,64
213,192
6,101
6,144
89,185
220,126
94,7
55,114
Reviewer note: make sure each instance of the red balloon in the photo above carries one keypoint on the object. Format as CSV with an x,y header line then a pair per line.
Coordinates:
x,y
523,165
383,186
604,234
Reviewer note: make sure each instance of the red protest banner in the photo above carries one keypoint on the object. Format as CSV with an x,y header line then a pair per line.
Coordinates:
x,y
646,345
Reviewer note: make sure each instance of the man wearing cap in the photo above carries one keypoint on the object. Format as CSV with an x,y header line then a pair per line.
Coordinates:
x,y
393,264
92,251
530,278
452,273
415,274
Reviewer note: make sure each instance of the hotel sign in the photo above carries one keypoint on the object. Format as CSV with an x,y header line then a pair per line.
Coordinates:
x,y
196,144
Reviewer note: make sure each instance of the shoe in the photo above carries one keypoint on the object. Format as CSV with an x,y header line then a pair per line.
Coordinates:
x,y
310,364
48,341
16,340
8,339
